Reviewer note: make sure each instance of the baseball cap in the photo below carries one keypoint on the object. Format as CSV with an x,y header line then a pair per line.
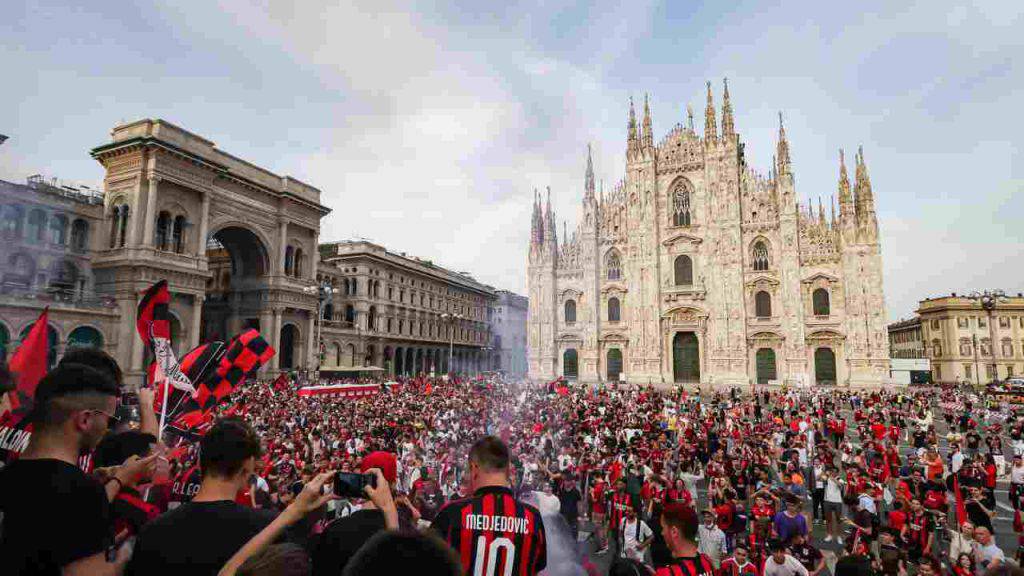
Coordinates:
x,y
386,461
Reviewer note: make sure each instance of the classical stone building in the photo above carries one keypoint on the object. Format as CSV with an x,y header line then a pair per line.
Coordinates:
x,y
48,231
508,324
401,313
695,268
237,243
905,340
968,343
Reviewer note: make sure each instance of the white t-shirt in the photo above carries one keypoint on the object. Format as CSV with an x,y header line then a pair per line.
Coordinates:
x,y
632,536
1017,474
789,567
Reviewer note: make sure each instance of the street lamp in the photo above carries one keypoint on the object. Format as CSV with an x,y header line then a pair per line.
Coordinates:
x,y
450,319
988,299
324,293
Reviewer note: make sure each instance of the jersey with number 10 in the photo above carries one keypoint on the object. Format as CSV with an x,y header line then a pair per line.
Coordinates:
x,y
494,534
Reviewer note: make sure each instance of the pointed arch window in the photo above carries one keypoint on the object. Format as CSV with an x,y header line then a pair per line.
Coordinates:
x,y
613,265
124,214
178,234
683,271
821,303
681,204
763,304
570,311
614,310
760,256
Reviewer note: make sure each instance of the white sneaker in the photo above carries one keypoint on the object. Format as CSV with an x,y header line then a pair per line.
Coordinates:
x,y
828,538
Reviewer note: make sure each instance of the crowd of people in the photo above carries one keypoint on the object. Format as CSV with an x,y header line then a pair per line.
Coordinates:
x,y
483,476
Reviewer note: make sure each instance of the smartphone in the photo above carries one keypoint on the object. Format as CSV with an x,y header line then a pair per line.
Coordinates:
x,y
350,485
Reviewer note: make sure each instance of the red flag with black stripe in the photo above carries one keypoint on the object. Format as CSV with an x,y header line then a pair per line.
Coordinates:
x,y
153,316
198,365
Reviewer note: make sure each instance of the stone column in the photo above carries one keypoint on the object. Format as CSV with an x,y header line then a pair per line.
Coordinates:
x,y
137,346
275,339
148,218
313,347
282,244
204,224
197,320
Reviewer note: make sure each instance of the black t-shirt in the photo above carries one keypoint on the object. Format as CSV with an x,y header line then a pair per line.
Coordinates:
x,y
343,538
807,555
53,515
569,503
195,538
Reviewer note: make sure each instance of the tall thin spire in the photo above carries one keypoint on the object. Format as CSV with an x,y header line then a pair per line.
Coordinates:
x,y
589,177
648,136
632,124
783,150
537,224
821,212
833,210
689,117
844,185
710,129
728,127
862,190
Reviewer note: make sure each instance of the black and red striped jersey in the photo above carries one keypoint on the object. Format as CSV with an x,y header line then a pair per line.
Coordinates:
x,y
688,566
617,505
494,534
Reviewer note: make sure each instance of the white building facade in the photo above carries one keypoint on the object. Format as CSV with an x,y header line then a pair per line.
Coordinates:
x,y
697,269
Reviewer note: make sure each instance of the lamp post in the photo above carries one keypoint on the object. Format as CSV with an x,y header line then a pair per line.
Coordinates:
x,y
450,319
324,295
988,299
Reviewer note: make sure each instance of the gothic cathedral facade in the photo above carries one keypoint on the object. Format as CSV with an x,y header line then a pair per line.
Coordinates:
x,y
697,269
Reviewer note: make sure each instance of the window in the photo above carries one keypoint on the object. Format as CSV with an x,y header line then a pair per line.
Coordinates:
x,y
990,371
289,261
178,235
613,265
937,373
967,371
80,235
570,311
350,313
1008,348
683,271
986,347
58,230
298,262
982,322
390,325
163,225
760,256
13,221
371,318
936,349
965,346
961,322
820,302
763,304
614,312
681,204
121,236
36,226
935,324
1009,370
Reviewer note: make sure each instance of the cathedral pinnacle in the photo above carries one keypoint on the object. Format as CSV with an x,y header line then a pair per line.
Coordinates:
x,y
689,117
862,189
710,129
537,223
549,223
728,127
589,178
844,184
648,136
821,212
783,150
632,124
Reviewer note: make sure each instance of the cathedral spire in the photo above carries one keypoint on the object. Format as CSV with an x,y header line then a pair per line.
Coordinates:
x,y
821,212
833,201
783,150
864,198
589,177
648,136
728,127
631,142
689,117
536,224
710,129
845,200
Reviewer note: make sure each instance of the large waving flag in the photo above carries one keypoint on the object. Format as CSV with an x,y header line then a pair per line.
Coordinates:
x,y
28,365
152,321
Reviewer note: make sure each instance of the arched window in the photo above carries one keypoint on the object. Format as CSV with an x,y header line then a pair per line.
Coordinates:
x,y
821,303
681,204
371,318
570,364
80,235
350,313
124,215
614,313
936,348
59,230
570,311
289,261
613,265
37,226
13,220
298,262
163,230
85,337
763,304
178,234
683,271
760,256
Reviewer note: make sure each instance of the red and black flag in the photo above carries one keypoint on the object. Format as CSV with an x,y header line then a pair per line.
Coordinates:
x,y
198,365
493,533
153,323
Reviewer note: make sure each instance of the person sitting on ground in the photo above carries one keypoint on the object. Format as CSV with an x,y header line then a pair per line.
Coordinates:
x,y
56,518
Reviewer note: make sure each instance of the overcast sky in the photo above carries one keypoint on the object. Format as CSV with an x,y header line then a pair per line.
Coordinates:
x,y
427,125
